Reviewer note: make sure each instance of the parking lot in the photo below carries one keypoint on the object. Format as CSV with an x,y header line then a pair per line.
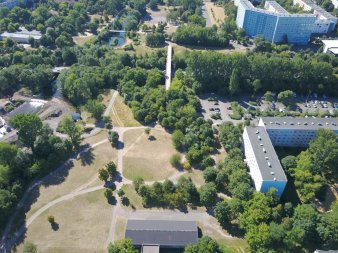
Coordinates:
x,y
217,106
219,109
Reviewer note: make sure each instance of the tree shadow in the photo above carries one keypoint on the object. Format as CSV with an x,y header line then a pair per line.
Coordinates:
x,y
55,226
112,200
87,157
151,138
120,145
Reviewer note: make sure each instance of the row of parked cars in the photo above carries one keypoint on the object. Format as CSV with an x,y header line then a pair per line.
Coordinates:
x,y
316,104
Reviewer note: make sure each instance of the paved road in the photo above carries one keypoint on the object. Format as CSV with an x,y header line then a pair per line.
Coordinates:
x,y
168,67
206,15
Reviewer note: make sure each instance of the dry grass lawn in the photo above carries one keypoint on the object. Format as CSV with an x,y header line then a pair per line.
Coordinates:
x,y
83,226
122,115
120,228
237,245
196,176
82,39
134,199
215,12
82,174
147,158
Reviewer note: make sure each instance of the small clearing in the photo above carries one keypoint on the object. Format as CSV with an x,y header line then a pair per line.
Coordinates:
x,y
147,156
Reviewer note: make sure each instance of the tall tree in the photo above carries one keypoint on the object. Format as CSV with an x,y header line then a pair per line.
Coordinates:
x,y
69,127
29,127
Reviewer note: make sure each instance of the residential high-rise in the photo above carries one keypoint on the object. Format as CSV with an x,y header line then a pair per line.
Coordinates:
x,y
278,25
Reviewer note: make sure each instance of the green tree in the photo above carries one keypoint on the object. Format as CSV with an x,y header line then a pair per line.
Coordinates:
x,y
111,169
69,127
206,245
103,175
178,139
113,138
210,174
258,237
285,96
29,247
122,246
95,108
29,127
234,84
306,218
229,135
175,160
51,219
155,39
137,182
208,195
268,96
323,152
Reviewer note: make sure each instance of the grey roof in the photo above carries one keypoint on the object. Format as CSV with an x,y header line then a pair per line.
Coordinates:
x,y
325,251
266,157
300,123
23,33
249,6
276,6
165,233
150,249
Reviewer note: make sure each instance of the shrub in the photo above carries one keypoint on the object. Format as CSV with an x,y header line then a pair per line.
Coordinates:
x,y
186,165
175,160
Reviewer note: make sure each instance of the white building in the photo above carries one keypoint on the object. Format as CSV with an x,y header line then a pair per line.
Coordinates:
x,y
295,132
22,36
261,158
335,3
330,46
265,168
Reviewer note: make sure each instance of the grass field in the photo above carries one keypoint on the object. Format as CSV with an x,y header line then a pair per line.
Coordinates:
x,y
82,174
196,176
82,39
147,158
122,115
134,199
120,228
215,12
237,245
83,226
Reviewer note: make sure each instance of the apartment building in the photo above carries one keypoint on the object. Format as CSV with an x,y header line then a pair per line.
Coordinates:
x,y
261,158
278,25
260,155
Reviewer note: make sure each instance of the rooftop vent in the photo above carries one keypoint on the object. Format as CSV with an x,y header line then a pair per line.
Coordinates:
x,y
277,123
291,123
269,164
274,179
320,124
261,144
264,150
305,123
266,158
272,173
257,132
271,122
259,138
284,122
312,123
327,123
298,123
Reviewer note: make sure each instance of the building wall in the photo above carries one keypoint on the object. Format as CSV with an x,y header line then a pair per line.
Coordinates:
x,y
9,4
335,3
278,185
297,30
252,162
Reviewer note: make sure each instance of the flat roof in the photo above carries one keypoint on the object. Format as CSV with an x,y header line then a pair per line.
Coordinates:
x,y
249,6
166,233
330,43
23,33
309,123
265,154
150,249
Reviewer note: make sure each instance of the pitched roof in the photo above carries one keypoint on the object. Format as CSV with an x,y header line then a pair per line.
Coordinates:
x,y
165,233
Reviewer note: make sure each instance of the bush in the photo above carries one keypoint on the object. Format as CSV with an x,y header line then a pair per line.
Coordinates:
x,y
175,160
51,219
235,116
186,165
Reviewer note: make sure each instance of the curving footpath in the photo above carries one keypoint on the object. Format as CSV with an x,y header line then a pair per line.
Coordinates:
x,y
8,242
